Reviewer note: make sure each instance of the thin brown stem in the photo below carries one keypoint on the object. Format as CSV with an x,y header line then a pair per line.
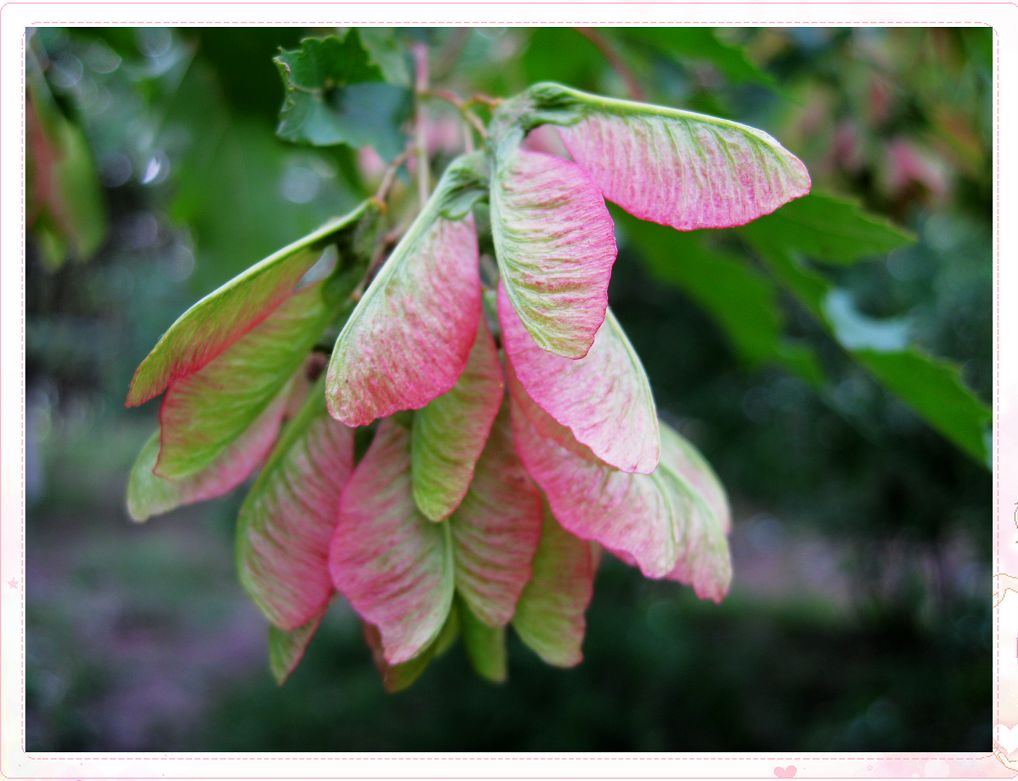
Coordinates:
x,y
483,100
390,173
387,242
462,106
474,122
618,64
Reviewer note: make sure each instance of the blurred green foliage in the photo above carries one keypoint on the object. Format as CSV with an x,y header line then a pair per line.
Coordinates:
x,y
64,202
796,353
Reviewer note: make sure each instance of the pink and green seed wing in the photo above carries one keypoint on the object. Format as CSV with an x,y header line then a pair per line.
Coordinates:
x,y
604,398
290,514
397,677
203,413
496,530
408,339
287,647
671,524
555,247
221,318
688,462
394,565
682,169
149,494
449,433
550,617
592,500
484,646
703,518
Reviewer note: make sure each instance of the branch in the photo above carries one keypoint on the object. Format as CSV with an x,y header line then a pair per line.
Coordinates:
x,y
448,58
618,64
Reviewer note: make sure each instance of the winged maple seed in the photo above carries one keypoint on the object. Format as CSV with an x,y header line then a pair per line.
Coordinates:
x,y
512,444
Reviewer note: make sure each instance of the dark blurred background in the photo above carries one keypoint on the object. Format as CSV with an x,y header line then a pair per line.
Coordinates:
x,y
858,618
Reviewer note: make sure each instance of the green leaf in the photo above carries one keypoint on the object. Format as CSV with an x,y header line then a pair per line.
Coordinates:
x,y
934,389
336,93
485,646
286,648
384,48
931,387
696,43
215,322
856,331
743,302
828,228
203,413
215,170
542,58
